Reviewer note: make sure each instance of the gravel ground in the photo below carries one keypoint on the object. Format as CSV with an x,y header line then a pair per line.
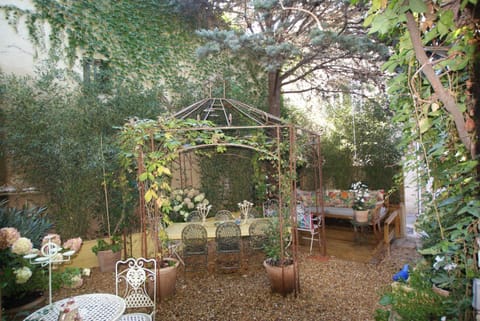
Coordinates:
x,y
332,290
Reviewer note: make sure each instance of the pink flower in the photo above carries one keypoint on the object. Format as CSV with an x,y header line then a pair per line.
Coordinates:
x,y
73,244
54,238
8,236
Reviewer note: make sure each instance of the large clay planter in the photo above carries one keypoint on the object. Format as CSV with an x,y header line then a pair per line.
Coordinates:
x,y
361,216
282,283
108,259
166,279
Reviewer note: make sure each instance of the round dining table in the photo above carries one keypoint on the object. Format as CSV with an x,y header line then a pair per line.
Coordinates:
x,y
91,307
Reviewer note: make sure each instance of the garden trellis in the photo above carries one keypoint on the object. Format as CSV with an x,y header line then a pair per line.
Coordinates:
x,y
151,146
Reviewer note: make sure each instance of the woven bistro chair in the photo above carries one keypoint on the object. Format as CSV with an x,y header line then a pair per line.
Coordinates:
x,y
223,215
257,234
194,247
131,279
194,216
228,240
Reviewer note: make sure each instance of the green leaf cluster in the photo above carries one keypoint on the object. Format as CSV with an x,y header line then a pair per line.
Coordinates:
x,y
448,172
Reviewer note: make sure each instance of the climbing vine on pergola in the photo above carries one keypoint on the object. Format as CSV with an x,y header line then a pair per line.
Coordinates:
x,y
149,148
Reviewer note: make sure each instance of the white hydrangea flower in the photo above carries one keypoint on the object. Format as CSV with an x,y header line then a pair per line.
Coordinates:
x,y
22,275
22,246
200,197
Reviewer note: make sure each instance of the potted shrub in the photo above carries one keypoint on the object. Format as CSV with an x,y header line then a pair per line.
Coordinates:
x,y
108,253
167,268
278,264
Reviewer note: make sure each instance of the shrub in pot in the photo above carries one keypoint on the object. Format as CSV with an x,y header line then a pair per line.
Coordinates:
x,y
278,263
108,253
167,269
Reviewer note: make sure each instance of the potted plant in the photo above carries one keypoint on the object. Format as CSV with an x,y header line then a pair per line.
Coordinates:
x,y
279,264
108,253
362,203
167,268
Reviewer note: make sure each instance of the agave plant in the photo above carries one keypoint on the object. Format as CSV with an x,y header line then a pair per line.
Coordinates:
x,y
30,222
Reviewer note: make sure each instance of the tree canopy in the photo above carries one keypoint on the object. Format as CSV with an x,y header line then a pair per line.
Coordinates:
x,y
321,44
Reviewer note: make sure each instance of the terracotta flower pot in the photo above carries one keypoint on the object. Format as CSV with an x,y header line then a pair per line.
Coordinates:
x,y
107,260
281,282
361,216
166,279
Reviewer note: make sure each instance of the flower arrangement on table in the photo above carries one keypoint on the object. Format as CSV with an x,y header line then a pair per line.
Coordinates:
x,y
362,200
187,200
19,275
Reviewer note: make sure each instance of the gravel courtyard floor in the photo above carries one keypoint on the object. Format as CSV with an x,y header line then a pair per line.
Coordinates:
x,y
331,290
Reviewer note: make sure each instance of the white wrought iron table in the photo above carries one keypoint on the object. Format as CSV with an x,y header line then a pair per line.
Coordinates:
x,y
91,307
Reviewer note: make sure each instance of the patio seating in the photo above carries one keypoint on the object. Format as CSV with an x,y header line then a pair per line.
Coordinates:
x,y
307,222
194,216
195,247
223,215
257,232
131,279
228,245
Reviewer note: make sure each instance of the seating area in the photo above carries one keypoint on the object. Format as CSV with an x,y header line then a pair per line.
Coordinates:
x,y
337,203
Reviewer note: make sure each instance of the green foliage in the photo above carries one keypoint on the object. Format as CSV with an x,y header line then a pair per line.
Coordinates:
x,y
360,143
114,244
432,141
277,246
226,185
416,300
142,43
32,223
60,142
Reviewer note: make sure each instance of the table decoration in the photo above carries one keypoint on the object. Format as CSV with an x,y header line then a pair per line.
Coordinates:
x,y
245,208
204,209
51,253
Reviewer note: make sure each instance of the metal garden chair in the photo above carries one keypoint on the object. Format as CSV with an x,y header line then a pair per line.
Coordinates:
x,y
131,279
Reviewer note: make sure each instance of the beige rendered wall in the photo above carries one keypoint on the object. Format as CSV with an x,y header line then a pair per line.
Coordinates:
x,y
87,259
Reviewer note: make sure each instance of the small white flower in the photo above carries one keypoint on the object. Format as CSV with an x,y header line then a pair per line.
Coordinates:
x,y
438,260
86,272
450,266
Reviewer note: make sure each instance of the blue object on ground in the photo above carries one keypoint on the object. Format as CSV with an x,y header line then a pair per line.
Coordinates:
x,y
402,274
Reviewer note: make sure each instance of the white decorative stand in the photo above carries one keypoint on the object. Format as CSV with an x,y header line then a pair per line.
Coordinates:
x,y
245,208
51,253
204,210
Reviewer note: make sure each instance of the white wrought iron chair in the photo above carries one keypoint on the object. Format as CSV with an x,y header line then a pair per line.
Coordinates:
x,y
134,280
308,223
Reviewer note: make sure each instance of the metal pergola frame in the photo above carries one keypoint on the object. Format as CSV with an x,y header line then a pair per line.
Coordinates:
x,y
234,112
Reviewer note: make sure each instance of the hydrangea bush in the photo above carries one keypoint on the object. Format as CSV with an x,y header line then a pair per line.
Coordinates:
x,y
19,277
186,200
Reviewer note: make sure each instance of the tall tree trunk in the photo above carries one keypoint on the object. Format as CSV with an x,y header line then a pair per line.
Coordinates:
x,y
274,92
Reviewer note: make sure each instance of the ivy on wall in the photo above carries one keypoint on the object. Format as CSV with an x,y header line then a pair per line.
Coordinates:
x,y
227,178
143,42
